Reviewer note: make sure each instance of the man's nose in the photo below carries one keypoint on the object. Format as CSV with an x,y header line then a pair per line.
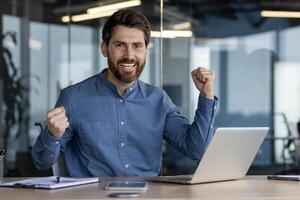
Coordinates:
x,y
129,53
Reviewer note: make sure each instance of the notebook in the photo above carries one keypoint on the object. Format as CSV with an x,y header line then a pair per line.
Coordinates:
x,y
227,157
51,182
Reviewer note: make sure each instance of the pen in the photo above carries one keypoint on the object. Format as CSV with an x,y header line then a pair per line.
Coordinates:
x,y
58,179
2,153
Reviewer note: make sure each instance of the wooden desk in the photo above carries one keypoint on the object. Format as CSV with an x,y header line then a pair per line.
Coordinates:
x,y
252,187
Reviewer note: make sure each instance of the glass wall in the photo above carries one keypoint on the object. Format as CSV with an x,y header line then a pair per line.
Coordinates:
x,y
256,63
256,60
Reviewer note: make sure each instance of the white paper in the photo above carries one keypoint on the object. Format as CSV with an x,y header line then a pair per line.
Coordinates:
x,y
49,182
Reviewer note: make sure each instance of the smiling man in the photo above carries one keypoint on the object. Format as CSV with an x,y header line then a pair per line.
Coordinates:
x,y
113,124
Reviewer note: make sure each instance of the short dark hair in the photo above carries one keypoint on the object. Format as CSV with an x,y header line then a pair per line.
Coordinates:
x,y
127,18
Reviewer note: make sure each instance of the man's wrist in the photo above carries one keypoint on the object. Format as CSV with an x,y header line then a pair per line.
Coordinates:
x,y
52,134
208,96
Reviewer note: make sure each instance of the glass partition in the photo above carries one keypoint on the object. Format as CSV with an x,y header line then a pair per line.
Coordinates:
x,y
245,50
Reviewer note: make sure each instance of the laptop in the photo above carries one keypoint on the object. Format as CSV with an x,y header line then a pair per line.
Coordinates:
x,y
227,157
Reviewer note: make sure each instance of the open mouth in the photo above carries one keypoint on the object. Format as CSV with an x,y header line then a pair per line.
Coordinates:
x,y
128,67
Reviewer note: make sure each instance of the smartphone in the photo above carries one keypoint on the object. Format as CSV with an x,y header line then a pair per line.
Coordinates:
x,y
128,186
124,195
285,177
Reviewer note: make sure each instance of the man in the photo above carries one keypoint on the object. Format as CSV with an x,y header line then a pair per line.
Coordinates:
x,y
113,124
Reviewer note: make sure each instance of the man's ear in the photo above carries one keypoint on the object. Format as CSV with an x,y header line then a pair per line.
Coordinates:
x,y
104,49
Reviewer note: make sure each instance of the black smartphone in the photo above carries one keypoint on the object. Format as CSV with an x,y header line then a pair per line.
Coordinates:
x,y
285,177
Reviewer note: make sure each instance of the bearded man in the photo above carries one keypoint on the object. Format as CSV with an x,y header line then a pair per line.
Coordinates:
x,y
113,124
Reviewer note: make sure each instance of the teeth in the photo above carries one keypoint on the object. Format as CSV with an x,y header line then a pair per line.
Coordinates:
x,y
127,65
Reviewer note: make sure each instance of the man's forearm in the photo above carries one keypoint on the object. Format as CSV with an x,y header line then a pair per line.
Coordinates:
x,y
45,151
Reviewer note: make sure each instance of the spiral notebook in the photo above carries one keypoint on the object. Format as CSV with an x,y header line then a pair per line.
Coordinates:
x,y
50,182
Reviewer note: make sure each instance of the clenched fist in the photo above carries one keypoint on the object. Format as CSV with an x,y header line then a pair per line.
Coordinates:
x,y
204,81
57,121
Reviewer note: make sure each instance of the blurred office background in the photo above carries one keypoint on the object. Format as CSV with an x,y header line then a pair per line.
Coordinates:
x,y
47,45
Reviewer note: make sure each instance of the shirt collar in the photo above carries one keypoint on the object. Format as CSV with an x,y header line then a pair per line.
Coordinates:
x,y
113,88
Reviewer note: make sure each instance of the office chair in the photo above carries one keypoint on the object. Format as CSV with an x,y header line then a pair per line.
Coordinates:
x,y
58,168
292,146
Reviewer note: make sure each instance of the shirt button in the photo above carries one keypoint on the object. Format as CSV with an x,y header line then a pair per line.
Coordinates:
x,y
122,144
130,88
122,123
121,100
211,126
57,142
126,166
215,107
52,155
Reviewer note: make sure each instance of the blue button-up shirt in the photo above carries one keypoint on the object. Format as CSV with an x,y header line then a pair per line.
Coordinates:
x,y
113,135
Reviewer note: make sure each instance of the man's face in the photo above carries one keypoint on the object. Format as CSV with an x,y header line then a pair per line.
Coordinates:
x,y
126,53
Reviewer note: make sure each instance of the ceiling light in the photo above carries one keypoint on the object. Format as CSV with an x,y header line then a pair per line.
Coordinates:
x,y
83,17
115,6
65,19
281,14
171,34
158,34
184,25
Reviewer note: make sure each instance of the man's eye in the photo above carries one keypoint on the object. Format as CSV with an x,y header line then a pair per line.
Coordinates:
x,y
138,46
119,45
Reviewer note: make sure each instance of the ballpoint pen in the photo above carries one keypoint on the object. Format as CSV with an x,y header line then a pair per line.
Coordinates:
x,y
58,179
2,153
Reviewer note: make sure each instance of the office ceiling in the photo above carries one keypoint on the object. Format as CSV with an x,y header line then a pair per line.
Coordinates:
x,y
224,18
237,17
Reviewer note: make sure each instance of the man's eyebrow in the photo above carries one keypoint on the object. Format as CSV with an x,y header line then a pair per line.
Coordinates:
x,y
117,41
138,42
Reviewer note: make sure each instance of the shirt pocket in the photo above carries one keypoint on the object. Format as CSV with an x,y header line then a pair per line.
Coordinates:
x,y
96,134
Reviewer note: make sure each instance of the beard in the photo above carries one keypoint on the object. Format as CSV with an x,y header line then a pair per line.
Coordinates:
x,y
123,77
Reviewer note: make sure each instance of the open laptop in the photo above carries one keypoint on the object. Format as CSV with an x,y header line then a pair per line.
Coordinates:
x,y
228,156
